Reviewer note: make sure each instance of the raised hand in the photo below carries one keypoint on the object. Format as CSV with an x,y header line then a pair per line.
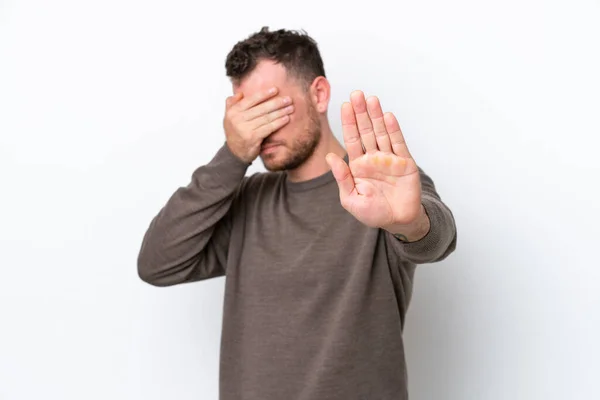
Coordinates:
x,y
248,121
380,185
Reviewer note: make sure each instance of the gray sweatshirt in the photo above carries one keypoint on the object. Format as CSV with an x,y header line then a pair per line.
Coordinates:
x,y
315,301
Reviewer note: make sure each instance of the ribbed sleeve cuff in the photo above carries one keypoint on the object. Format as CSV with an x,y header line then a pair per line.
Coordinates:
x,y
436,244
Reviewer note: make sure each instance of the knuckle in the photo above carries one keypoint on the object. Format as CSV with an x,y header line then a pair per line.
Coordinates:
x,y
268,118
282,121
352,139
271,117
367,130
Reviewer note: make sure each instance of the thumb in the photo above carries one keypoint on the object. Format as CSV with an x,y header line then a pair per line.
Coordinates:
x,y
341,173
231,100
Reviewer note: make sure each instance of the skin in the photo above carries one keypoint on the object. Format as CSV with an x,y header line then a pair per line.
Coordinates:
x,y
307,138
380,186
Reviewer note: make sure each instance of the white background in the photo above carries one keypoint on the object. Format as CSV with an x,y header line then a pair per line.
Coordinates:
x,y
107,107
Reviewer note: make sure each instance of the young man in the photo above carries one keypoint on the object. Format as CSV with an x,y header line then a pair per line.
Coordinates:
x,y
319,251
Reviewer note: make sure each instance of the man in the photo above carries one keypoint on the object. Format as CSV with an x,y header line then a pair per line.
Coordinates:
x,y
319,251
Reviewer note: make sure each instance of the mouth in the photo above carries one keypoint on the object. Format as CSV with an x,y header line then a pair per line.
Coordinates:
x,y
268,147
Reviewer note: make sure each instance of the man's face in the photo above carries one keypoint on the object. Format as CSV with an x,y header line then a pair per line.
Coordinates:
x,y
298,138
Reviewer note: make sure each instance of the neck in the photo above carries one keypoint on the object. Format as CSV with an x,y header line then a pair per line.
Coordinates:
x,y
316,165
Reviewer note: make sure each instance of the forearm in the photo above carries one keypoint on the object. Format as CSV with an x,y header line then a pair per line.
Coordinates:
x,y
433,236
175,245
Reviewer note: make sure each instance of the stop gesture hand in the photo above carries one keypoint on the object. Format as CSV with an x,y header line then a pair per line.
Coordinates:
x,y
380,185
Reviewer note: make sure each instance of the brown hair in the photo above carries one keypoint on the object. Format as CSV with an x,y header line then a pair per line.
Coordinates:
x,y
295,50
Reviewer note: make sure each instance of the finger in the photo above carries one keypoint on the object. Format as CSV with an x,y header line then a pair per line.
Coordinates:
x,y
272,116
257,98
260,110
342,175
267,129
363,121
381,133
350,132
232,100
396,137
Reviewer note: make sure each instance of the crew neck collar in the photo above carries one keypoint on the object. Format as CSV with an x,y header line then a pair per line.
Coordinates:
x,y
313,183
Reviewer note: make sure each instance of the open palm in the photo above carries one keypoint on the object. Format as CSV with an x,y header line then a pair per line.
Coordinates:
x,y
380,185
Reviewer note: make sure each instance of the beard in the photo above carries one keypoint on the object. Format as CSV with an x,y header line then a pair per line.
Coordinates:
x,y
301,149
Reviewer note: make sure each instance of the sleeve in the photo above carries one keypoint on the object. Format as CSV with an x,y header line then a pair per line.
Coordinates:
x,y
441,239
188,239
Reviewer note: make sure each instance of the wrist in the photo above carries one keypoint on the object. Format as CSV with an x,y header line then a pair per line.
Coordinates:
x,y
414,231
238,154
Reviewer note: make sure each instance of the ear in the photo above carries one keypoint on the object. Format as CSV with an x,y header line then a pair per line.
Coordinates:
x,y
320,93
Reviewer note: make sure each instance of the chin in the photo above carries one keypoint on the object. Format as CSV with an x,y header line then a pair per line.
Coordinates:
x,y
293,155
279,160
273,163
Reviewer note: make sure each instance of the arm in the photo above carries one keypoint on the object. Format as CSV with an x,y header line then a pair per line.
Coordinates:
x,y
187,241
383,187
433,236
